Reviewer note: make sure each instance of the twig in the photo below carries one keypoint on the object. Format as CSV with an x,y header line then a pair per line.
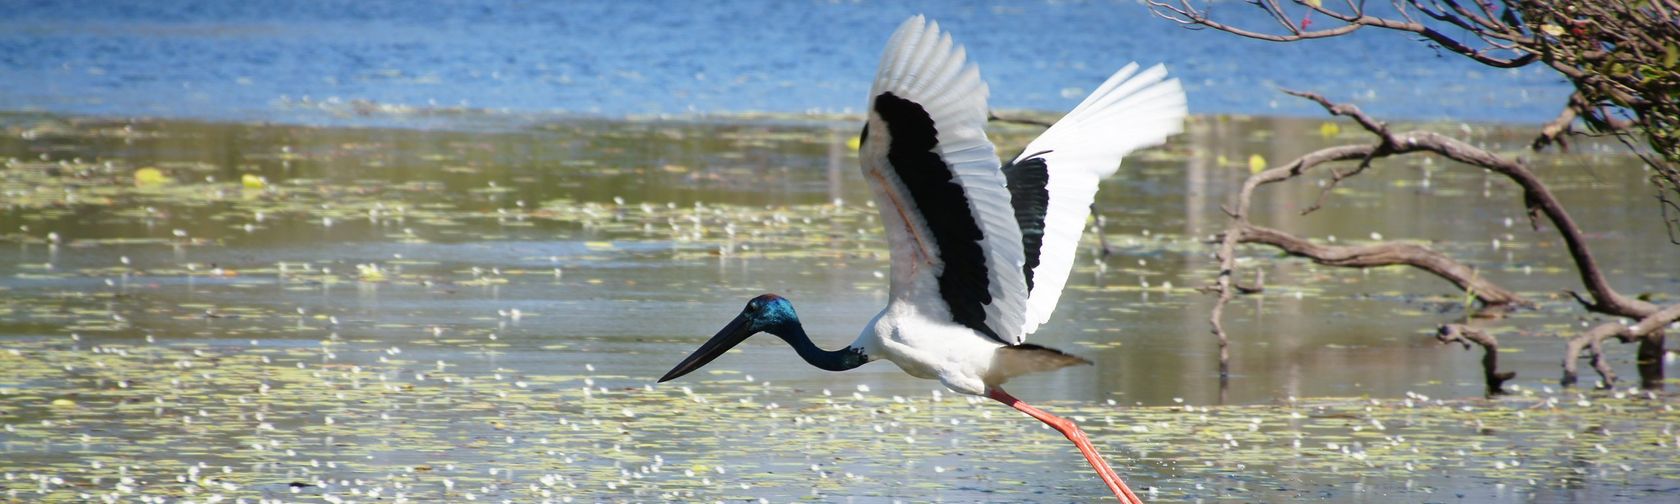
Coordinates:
x,y
1345,110
1336,179
1671,224
1259,285
1017,120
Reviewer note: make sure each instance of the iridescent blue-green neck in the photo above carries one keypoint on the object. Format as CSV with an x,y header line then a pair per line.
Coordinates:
x,y
843,359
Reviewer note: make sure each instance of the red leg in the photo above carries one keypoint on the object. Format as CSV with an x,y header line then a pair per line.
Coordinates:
x,y
1067,428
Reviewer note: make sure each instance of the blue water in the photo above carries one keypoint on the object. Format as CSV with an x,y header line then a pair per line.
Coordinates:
x,y
356,61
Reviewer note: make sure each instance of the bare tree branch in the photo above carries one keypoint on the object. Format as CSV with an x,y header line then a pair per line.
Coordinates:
x,y
1536,197
1386,254
1619,56
1183,12
1627,333
1241,231
1555,130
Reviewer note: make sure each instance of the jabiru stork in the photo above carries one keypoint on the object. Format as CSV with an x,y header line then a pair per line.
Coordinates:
x,y
980,249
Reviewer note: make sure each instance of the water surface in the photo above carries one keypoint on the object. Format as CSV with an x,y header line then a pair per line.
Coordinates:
x,y
432,64
400,308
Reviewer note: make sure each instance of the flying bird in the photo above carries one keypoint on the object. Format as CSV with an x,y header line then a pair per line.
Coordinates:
x,y
980,249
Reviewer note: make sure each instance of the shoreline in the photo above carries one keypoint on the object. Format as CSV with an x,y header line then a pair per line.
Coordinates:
x,y
493,121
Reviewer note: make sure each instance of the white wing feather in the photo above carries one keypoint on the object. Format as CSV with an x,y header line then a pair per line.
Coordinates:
x,y
922,64
1130,111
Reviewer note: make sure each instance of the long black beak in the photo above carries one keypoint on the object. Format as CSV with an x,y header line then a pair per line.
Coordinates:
x,y
731,335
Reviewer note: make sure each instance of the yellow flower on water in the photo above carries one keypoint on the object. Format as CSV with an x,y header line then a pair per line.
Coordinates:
x,y
1329,130
1256,163
370,273
149,176
254,181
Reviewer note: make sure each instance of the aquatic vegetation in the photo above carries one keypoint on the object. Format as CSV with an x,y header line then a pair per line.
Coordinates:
x,y
357,421
442,315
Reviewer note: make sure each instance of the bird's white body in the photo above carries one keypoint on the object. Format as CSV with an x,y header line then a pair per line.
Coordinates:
x,y
931,347
927,95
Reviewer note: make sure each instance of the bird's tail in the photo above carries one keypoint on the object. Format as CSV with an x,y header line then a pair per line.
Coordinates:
x,y
1016,360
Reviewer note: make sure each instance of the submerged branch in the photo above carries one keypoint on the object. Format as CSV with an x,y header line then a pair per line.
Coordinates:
x,y
1466,335
1649,327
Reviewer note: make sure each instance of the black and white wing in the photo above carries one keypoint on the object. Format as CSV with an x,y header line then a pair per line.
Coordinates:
x,y
1055,179
956,247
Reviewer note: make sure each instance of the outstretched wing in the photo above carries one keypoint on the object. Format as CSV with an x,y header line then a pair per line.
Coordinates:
x,y
956,248
1055,178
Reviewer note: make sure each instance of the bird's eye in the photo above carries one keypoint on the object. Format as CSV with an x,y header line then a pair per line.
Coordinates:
x,y
753,306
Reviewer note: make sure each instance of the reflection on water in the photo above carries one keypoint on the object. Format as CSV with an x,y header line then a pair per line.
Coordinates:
x,y
616,247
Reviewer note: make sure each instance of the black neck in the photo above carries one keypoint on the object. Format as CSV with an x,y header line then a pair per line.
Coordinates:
x,y
837,360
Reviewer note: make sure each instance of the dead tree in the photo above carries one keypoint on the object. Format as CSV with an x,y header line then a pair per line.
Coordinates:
x,y
1538,201
1623,59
